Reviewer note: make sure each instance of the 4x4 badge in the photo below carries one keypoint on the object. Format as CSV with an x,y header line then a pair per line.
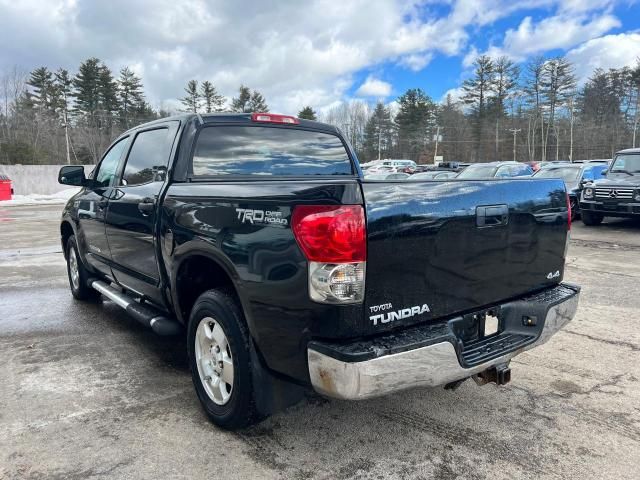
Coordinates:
x,y
552,275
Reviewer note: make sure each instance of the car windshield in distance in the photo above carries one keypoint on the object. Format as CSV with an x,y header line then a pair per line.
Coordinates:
x,y
629,163
568,174
259,150
478,171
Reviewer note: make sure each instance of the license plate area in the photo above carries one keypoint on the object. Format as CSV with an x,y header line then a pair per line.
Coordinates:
x,y
477,325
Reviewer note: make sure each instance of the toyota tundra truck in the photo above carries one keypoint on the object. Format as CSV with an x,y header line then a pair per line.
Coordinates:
x,y
258,238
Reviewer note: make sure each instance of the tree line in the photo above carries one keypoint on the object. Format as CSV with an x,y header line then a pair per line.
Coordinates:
x,y
504,111
536,112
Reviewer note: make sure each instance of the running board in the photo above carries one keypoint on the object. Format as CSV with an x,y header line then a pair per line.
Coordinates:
x,y
147,316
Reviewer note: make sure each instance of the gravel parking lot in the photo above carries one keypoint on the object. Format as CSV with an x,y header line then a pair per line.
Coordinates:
x,y
86,393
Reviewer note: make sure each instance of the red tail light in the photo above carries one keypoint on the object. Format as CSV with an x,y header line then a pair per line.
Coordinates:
x,y
330,233
274,118
568,212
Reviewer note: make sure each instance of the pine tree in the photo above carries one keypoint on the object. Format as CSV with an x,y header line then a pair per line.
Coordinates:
x,y
108,91
378,134
258,103
476,94
213,102
506,75
63,85
242,102
130,96
248,101
558,84
86,85
192,101
307,113
414,121
42,95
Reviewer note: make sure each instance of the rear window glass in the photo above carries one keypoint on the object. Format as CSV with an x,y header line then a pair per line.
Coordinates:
x,y
235,150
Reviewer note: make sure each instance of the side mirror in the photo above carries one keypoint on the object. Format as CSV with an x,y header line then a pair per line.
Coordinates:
x,y
72,175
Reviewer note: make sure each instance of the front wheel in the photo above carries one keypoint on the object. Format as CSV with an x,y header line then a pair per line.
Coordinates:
x,y
591,218
78,274
220,360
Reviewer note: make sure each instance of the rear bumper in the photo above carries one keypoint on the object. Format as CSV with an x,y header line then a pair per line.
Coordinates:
x,y
443,360
611,209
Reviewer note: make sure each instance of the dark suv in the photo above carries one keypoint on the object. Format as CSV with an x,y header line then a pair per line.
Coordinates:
x,y
616,196
575,176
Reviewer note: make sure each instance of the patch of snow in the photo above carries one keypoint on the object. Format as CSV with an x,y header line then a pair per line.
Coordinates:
x,y
58,198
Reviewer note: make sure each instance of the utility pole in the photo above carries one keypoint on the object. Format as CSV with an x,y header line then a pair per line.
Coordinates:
x,y
435,153
66,136
515,134
379,138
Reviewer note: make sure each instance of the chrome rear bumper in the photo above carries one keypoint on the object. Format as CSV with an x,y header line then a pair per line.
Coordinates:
x,y
429,366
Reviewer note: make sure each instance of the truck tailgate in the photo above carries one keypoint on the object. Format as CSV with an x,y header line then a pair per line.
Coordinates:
x,y
436,249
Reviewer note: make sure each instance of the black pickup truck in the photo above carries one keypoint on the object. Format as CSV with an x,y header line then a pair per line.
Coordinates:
x,y
258,236
618,195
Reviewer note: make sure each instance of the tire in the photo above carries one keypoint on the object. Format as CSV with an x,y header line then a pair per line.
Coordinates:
x,y
78,274
218,339
591,218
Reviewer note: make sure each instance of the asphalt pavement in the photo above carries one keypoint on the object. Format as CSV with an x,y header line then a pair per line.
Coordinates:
x,y
85,392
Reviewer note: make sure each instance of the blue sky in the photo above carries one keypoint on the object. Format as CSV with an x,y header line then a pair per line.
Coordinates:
x,y
615,44
313,52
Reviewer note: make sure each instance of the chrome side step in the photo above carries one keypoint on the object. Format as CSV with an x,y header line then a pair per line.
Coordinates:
x,y
144,314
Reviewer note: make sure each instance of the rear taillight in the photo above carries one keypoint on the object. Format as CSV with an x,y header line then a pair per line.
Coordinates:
x,y
333,239
274,118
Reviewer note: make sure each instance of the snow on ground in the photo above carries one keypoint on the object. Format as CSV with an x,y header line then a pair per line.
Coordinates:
x,y
60,197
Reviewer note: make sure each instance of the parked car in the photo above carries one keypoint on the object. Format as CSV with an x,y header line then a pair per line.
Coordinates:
x,y
617,195
433,175
255,237
477,171
404,166
575,176
386,176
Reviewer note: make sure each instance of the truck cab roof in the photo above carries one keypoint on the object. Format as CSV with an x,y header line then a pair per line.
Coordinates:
x,y
236,118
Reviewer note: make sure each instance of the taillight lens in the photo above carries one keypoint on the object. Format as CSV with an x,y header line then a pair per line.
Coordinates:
x,y
330,233
333,239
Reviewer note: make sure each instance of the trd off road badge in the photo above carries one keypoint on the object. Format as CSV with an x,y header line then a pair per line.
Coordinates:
x,y
250,215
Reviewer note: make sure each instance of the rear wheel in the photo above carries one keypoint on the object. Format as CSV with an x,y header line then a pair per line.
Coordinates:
x,y
78,274
591,218
220,360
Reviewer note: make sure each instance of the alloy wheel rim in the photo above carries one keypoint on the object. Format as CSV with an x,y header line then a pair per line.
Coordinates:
x,y
73,269
214,360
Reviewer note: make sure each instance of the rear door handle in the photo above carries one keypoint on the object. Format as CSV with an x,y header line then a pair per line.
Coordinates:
x,y
492,215
146,206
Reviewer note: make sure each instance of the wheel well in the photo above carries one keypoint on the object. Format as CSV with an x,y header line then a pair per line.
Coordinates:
x,y
65,232
196,275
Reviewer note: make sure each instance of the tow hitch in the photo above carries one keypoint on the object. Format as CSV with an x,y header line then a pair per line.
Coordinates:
x,y
500,375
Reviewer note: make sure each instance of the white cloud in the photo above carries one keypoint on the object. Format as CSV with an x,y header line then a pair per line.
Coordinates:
x,y
610,51
295,53
372,87
557,32
416,61
456,94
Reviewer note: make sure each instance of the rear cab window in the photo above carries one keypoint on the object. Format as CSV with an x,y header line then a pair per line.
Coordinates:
x,y
268,151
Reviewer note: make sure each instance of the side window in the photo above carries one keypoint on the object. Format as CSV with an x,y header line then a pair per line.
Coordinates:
x,y
148,158
107,168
